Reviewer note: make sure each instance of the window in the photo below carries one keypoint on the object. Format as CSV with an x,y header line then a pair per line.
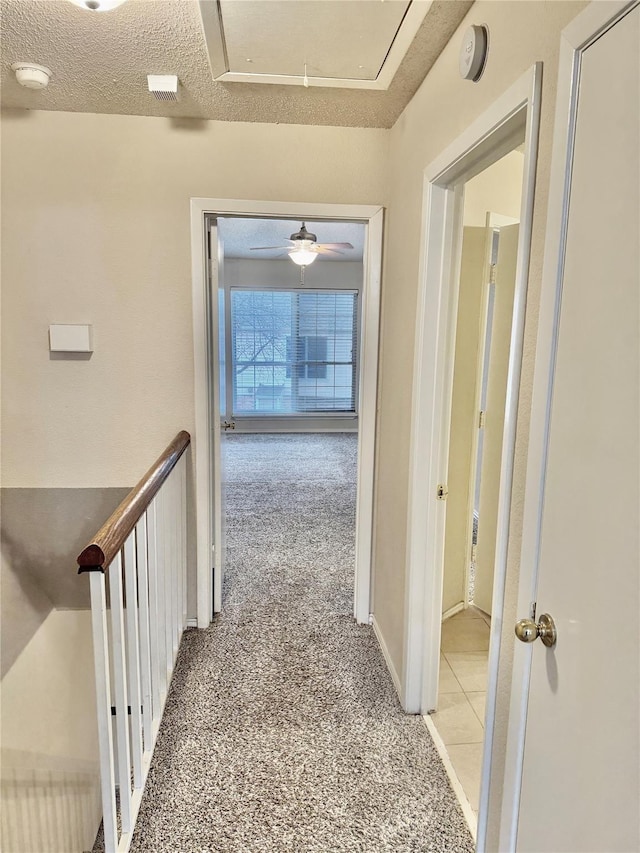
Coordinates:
x,y
293,352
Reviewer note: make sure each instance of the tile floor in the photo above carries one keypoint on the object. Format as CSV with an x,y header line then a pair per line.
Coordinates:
x,y
463,684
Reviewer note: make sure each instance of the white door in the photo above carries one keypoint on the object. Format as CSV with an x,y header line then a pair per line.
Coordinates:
x,y
580,774
216,266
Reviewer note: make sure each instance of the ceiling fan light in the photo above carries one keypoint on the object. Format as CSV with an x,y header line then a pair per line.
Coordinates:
x,y
303,256
97,5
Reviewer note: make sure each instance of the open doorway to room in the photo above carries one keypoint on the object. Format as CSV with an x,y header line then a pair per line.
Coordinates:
x,y
484,319
289,375
293,350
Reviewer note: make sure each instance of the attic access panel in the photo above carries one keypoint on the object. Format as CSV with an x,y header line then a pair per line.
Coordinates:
x,y
344,43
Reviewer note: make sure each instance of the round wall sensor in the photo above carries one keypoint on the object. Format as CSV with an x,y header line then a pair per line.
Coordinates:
x,y
473,52
31,75
98,5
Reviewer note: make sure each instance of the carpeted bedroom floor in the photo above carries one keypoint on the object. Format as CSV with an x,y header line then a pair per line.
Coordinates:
x,y
282,731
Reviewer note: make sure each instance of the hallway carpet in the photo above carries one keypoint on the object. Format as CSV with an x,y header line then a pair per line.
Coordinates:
x,y
282,730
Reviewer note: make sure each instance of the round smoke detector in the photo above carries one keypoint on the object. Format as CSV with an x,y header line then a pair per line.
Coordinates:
x,y
31,75
473,52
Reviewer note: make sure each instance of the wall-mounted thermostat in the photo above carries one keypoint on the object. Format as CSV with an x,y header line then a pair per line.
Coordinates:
x,y
473,52
70,337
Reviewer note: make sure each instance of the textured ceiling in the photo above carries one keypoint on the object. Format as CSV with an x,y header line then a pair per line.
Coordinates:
x,y
100,62
239,234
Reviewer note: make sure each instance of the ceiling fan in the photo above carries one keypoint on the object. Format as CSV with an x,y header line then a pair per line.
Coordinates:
x,y
305,248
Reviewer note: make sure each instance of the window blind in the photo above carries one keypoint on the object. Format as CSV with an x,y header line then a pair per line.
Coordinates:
x,y
294,352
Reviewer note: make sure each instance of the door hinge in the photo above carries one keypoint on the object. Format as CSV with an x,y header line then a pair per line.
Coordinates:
x,y
482,419
492,273
441,492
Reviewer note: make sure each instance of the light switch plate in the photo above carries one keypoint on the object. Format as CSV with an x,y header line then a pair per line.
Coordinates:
x,y
70,337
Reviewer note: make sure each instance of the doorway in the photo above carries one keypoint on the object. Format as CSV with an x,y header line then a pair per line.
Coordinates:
x,y
289,362
483,326
510,124
207,353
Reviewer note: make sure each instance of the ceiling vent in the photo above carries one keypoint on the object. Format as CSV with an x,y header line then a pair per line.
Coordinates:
x,y
163,87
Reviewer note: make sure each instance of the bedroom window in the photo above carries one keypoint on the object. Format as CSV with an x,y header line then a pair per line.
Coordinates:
x,y
293,352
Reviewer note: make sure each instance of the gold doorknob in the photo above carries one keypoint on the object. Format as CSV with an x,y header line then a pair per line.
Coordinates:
x,y
527,631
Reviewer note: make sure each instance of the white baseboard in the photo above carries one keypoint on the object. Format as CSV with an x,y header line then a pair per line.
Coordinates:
x,y
458,790
387,657
192,623
452,611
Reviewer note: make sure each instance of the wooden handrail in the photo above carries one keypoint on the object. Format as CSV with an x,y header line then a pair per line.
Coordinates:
x,y
99,553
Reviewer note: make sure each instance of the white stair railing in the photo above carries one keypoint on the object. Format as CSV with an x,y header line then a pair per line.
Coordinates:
x,y
137,628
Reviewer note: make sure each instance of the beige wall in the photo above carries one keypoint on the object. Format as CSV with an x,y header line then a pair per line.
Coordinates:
x,y
497,189
25,606
50,773
54,671
42,531
95,227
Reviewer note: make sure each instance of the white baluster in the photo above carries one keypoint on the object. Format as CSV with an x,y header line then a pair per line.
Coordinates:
x,y
175,562
120,690
133,656
145,639
162,592
181,500
168,589
103,703
178,528
168,521
155,628
185,603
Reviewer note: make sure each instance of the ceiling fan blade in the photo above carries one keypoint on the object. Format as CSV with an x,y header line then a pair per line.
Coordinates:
x,y
325,250
264,248
336,245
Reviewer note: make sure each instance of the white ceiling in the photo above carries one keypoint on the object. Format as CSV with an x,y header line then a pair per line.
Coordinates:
x,y
100,60
239,235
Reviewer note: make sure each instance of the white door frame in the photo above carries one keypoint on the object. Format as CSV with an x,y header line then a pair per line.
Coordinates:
x,y
575,39
372,216
513,118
